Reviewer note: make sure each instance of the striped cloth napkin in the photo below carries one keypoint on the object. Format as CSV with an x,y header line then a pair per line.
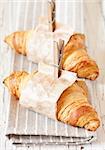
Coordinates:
x,y
27,127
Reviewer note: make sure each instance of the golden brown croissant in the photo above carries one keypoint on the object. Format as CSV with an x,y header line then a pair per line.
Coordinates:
x,y
75,56
72,106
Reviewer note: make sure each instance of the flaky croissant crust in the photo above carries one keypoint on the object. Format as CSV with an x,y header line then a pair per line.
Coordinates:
x,y
76,58
73,107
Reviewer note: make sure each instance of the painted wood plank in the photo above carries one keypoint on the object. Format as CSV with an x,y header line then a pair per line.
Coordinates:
x,y
94,17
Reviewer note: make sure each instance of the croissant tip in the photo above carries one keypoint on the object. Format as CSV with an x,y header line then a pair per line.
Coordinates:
x,y
9,40
92,125
5,81
93,76
6,39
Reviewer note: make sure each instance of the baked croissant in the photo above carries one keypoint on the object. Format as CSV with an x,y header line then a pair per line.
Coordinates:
x,y
73,107
75,56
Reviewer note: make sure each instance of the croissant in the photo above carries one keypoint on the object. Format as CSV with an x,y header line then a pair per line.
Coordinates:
x,y
75,56
73,107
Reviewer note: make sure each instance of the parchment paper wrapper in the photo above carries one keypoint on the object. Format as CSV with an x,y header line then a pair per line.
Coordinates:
x,y
41,91
40,45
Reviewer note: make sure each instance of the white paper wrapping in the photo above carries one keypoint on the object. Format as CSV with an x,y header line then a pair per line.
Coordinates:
x,y
41,92
40,45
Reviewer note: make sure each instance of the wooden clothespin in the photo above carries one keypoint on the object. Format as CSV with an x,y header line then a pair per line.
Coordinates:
x,y
52,25
51,15
60,47
57,47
